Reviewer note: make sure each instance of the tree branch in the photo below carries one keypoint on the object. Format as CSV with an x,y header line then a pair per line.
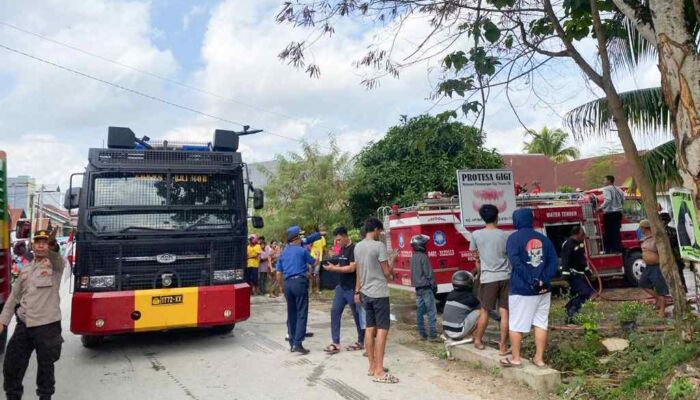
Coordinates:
x,y
645,29
573,53
535,48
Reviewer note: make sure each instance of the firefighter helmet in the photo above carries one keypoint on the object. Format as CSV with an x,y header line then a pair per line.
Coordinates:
x,y
418,242
463,280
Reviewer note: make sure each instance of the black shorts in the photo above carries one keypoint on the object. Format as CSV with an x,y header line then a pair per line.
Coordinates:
x,y
377,311
653,279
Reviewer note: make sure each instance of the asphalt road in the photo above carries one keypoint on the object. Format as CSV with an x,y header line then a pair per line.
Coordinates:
x,y
251,363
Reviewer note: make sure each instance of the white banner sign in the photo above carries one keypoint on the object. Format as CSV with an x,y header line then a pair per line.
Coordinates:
x,y
486,186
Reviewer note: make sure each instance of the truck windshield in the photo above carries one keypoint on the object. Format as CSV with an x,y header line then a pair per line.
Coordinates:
x,y
123,202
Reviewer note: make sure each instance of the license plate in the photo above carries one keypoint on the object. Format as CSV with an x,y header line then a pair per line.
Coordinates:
x,y
166,300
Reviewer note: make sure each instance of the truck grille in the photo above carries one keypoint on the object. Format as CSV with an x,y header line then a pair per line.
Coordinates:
x,y
141,264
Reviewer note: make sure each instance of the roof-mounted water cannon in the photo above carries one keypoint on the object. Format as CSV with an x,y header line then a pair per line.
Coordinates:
x,y
224,140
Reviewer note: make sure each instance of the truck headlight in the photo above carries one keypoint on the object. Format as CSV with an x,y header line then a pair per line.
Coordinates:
x,y
225,275
102,281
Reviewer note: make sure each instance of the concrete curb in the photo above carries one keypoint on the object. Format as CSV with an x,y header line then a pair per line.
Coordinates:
x,y
542,380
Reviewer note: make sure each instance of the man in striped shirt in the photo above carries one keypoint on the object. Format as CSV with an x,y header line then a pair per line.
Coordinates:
x,y
613,198
461,309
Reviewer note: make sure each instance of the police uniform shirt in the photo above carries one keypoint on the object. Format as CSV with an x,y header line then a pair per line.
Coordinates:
x,y
36,292
294,260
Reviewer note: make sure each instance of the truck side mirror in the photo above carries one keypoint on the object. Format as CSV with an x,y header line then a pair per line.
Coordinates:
x,y
258,199
72,199
258,222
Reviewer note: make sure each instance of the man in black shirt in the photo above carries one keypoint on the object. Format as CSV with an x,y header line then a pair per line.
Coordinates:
x,y
462,308
344,292
575,270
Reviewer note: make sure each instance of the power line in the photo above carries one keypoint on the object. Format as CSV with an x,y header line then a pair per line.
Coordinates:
x,y
156,76
136,92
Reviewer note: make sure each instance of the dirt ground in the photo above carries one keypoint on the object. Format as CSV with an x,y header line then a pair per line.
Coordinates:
x,y
458,377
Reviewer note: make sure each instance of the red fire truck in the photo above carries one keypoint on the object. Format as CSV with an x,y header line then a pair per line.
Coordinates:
x,y
555,214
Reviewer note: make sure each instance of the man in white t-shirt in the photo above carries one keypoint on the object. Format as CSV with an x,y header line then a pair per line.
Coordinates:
x,y
494,275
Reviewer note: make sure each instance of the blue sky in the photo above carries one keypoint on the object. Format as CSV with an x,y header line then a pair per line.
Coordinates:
x,y
49,117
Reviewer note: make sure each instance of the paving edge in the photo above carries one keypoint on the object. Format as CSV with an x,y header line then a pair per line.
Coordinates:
x,y
541,380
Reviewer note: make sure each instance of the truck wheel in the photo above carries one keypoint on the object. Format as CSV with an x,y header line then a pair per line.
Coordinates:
x,y
90,341
223,329
634,267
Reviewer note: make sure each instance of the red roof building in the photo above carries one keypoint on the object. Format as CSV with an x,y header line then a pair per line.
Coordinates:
x,y
528,168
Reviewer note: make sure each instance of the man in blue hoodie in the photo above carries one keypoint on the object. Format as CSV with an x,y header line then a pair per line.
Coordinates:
x,y
534,261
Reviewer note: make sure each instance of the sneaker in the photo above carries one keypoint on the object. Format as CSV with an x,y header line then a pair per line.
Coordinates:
x,y
434,339
423,338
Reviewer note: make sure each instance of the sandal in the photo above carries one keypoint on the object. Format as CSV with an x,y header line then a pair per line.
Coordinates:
x,y
540,366
507,363
355,347
479,346
507,353
387,378
332,349
371,373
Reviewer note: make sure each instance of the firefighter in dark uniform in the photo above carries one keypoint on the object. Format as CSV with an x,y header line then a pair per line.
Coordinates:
x,y
576,272
35,301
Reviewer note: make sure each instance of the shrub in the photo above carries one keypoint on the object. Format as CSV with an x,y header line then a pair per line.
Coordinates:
x,y
681,388
629,311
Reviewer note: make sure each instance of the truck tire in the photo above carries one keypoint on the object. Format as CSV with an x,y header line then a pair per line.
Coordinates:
x,y
91,341
223,329
634,266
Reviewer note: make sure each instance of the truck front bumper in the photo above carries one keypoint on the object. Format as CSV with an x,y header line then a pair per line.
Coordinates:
x,y
108,313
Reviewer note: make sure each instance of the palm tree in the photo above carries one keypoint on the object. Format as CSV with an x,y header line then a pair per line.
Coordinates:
x,y
646,109
551,143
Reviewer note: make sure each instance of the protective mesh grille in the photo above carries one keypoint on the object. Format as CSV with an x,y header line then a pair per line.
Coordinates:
x,y
136,264
106,157
156,189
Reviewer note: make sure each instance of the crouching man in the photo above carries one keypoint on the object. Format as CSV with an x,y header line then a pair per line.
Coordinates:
x,y
35,302
462,308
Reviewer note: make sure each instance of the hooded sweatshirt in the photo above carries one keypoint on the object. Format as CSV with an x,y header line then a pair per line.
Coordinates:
x,y
531,254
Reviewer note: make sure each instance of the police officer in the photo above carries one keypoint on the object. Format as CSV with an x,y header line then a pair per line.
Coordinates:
x,y
293,273
575,270
35,301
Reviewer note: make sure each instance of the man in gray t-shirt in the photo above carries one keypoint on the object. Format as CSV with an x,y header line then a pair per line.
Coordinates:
x,y
372,289
494,274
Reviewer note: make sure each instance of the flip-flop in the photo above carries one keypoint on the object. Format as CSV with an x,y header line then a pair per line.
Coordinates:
x,y
507,353
540,366
371,373
332,349
387,378
355,347
507,363
479,346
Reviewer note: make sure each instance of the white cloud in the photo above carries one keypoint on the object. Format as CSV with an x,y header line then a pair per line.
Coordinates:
x,y
239,60
194,12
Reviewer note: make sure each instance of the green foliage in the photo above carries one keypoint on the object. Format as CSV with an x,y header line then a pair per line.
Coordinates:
x,y
630,311
418,156
551,143
309,189
659,360
589,319
566,189
579,361
680,389
593,175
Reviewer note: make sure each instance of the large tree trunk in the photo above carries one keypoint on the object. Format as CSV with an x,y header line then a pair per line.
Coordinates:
x,y
680,81
647,190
